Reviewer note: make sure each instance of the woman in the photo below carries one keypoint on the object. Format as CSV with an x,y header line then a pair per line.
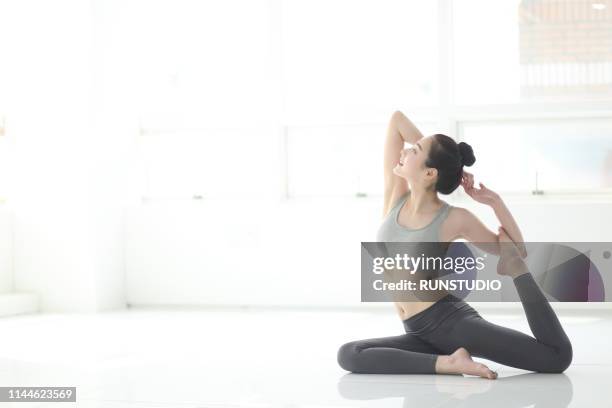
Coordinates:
x,y
443,335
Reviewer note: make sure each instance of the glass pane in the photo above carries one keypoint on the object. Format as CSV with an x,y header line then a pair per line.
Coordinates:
x,y
357,60
322,161
566,154
531,50
212,163
189,63
338,160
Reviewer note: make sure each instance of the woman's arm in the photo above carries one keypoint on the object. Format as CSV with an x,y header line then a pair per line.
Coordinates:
x,y
470,228
399,131
503,214
507,221
462,223
407,130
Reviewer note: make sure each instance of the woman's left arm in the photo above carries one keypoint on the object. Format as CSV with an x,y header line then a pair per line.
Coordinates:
x,y
507,221
488,197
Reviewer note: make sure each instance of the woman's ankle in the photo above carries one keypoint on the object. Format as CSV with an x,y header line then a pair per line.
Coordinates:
x,y
520,270
444,364
517,267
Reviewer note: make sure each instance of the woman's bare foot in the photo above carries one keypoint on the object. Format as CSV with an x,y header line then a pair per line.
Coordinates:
x,y
510,262
460,362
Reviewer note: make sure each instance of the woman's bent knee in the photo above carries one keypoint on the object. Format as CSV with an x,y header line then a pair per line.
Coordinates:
x,y
566,354
562,359
347,356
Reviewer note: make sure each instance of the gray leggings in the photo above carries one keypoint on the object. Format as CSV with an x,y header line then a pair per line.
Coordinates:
x,y
451,323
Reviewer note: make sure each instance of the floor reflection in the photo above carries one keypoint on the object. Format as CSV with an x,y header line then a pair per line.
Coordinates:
x,y
517,391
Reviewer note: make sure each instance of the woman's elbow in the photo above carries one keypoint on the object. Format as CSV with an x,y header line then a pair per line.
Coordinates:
x,y
522,249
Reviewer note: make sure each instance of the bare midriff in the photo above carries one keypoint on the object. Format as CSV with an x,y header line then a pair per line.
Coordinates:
x,y
406,310
409,309
422,300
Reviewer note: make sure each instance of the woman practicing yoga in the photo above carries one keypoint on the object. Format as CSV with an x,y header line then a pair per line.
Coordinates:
x,y
443,335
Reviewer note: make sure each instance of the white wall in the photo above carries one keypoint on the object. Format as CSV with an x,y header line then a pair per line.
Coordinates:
x,y
6,251
68,244
301,252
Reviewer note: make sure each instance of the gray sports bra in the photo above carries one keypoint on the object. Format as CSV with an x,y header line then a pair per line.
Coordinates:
x,y
391,231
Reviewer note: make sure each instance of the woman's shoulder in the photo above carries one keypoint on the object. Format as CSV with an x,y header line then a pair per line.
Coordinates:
x,y
455,222
460,218
459,213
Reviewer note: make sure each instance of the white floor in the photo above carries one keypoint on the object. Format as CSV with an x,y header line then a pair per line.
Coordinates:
x,y
233,358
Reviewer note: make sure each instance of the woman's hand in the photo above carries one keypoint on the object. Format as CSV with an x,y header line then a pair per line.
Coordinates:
x,y
467,180
482,195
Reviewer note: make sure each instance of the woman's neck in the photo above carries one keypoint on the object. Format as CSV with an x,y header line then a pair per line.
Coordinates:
x,y
423,201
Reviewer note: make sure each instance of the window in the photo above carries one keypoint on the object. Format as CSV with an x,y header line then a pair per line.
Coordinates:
x,y
328,75
531,50
201,80
560,155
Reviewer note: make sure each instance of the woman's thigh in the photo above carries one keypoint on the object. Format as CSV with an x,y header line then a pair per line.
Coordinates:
x,y
504,345
407,342
403,354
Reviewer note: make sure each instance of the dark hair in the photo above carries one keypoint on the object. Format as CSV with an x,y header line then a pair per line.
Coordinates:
x,y
448,158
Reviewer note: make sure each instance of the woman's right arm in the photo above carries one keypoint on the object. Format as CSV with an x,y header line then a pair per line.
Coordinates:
x,y
399,131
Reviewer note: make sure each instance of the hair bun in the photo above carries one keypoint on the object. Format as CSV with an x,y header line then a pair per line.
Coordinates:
x,y
467,154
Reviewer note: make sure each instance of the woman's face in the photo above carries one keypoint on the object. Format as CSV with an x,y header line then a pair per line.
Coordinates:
x,y
411,165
